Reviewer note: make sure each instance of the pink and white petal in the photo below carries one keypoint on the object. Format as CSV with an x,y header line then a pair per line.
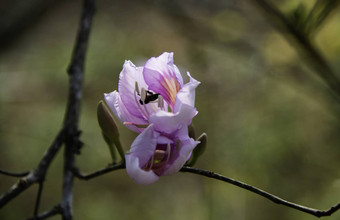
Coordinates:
x,y
139,175
126,87
164,140
117,107
144,145
163,77
187,94
168,122
186,148
112,100
178,74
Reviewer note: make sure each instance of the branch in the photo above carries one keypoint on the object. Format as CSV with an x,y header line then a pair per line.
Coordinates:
x,y
306,49
36,175
109,168
210,174
315,212
14,174
54,211
37,202
76,72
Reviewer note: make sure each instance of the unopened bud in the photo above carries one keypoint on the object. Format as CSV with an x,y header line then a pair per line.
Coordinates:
x,y
109,130
199,149
106,121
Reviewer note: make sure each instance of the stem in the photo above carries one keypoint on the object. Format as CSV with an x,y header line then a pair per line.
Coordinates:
x,y
273,198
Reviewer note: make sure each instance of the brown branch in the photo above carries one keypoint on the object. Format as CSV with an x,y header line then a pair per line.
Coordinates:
x,y
76,72
273,198
54,211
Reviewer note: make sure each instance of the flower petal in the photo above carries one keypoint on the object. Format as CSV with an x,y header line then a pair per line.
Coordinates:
x,y
168,122
163,77
183,155
142,149
126,87
136,173
187,94
144,145
115,104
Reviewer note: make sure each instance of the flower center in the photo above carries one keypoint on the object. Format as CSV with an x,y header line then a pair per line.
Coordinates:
x,y
172,87
145,100
162,155
159,158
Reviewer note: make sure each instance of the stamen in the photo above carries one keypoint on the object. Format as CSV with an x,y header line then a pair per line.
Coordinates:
x,y
139,107
151,163
137,125
168,151
147,112
159,155
137,87
143,95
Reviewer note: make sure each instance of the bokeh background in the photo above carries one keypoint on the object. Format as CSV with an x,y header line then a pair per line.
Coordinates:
x,y
270,120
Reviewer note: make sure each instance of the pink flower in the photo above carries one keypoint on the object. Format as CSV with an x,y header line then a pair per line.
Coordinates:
x,y
153,154
153,101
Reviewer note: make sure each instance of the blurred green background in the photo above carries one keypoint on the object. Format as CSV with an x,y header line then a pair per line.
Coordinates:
x,y
271,122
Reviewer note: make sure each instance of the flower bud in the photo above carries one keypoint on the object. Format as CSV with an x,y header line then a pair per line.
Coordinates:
x,y
199,149
109,130
106,121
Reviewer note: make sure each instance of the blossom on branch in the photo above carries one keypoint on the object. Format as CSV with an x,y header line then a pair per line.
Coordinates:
x,y
153,101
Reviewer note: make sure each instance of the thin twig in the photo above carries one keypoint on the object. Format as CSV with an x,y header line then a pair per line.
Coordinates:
x,y
54,211
111,167
315,212
37,203
210,174
71,121
14,174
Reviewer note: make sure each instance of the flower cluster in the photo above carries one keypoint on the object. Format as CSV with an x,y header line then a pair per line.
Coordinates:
x,y
153,101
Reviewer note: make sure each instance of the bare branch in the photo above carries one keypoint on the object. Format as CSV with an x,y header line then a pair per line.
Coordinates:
x,y
76,72
37,202
210,174
14,174
278,200
54,211
109,168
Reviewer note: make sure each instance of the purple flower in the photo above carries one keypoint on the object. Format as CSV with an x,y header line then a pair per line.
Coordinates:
x,y
153,101
153,154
